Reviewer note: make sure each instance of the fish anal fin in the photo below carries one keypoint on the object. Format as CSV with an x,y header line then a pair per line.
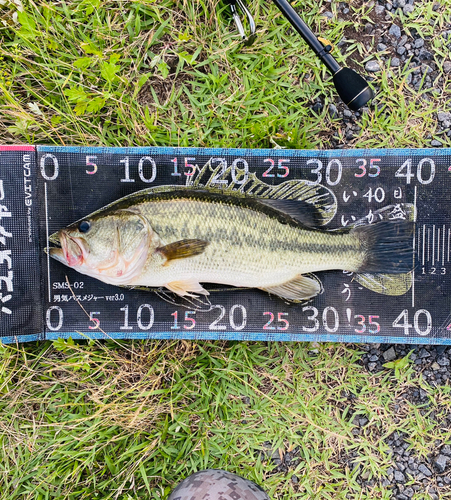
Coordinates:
x,y
183,249
299,288
183,288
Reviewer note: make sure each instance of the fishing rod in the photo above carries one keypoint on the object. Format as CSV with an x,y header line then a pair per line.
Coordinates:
x,y
352,88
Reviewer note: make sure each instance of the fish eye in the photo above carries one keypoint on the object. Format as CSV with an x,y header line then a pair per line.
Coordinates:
x,y
84,226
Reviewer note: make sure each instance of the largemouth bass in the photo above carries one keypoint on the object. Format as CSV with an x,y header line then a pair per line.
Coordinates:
x,y
184,237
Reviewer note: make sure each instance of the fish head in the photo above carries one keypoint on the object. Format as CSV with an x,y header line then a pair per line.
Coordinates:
x,y
112,247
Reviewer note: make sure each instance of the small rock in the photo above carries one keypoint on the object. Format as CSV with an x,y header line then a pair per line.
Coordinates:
x,y
365,475
374,358
425,55
424,470
408,9
443,360
294,479
372,366
368,28
425,68
347,113
436,144
447,66
333,111
395,62
435,366
399,477
401,3
443,115
317,107
419,42
401,50
440,463
446,450
389,354
395,31
372,66
379,10
402,41
328,14
409,492
381,47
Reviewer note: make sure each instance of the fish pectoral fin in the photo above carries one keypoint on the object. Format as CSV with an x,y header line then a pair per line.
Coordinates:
x,y
184,287
299,288
183,249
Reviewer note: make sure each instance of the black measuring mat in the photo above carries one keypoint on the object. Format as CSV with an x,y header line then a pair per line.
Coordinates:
x,y
352,186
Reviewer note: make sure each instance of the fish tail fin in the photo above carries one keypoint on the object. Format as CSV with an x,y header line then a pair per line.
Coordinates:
x,y
388,247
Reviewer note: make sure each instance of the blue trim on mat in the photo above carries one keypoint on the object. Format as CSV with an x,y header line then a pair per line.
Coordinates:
x,y
326,153
10,339
277,337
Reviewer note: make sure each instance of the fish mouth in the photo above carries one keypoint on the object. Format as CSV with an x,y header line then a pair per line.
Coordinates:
x,y
72,251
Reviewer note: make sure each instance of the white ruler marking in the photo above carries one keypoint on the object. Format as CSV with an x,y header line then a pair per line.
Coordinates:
x,y
424,242
47,241
433,244
443,247
414,219
438,246
449,237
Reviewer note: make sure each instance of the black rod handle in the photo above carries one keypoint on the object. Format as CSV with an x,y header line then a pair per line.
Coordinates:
x,y
351,87
307,34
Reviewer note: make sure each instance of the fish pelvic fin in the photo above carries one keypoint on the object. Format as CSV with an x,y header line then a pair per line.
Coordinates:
x,y
182,249
298,289
387,246
183,288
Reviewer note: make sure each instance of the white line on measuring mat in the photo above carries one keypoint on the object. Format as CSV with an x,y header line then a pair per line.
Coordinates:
x,y
433,244
424,240
414,220
438,246
47,241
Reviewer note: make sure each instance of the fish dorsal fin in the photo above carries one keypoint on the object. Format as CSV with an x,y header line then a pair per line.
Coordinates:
x,y
298,289
235,181
300,210
182,249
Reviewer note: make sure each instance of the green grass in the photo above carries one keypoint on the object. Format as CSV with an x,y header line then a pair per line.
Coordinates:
x,y
129,420
173,73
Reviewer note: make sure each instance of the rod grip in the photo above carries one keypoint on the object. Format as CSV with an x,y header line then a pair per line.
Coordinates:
x,y
352,88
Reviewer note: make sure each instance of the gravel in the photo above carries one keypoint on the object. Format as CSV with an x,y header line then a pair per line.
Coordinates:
x,y
393,49
410,474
